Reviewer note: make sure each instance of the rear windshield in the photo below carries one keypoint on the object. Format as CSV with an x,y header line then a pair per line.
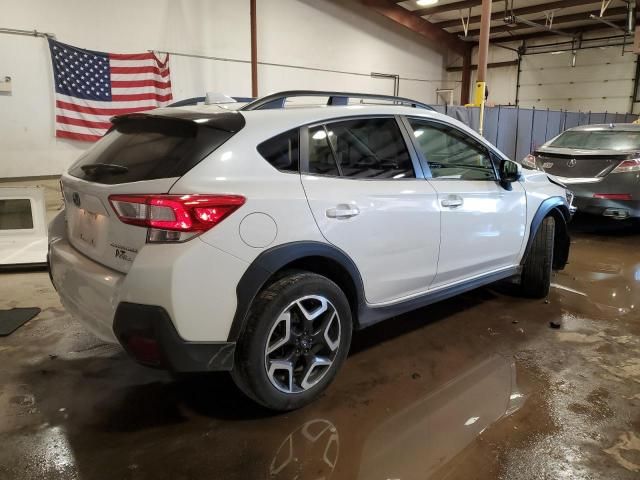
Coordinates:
x,y
598,140
147,148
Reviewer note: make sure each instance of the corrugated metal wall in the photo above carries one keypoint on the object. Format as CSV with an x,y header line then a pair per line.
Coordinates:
x,y
518,131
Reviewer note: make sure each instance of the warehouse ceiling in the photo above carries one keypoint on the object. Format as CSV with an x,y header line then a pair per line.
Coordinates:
x,y
570,16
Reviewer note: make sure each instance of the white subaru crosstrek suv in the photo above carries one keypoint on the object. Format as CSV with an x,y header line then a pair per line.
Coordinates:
x,y
255,241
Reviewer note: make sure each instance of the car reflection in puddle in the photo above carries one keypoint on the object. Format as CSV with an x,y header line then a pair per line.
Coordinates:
x,y
611,285
419,441
603,270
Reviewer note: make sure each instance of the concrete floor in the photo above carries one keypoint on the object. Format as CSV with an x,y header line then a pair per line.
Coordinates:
x,y
477,387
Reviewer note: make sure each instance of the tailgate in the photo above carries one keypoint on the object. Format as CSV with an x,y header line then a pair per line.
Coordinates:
x,y
141,154
93,227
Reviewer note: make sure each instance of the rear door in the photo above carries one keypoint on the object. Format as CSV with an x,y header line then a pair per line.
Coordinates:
x,y
483,224
368,196
143,154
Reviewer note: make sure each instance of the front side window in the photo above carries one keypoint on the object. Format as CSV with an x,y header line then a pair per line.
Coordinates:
x,y
369,148
452,154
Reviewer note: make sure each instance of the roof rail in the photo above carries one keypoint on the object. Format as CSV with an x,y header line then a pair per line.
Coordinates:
x,y
277,100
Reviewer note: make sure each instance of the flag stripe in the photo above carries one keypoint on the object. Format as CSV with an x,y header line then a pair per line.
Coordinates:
x,y
139,57
127,91
149,62
137,76
148,69
100,111
78,136
142,96
78,129
106,104
139,83
82,123
132,56
82,116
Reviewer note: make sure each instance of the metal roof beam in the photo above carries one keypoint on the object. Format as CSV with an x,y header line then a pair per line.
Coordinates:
x,y
418,25
575,17
546,33
449,7
521,11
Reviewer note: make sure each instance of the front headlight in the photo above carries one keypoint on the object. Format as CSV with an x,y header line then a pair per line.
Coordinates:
x,y
570,196
529,162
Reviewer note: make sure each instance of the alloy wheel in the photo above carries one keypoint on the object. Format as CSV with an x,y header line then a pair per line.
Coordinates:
x,y
302,344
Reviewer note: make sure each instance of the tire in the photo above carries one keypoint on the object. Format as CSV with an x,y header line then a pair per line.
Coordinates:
x,y
314,349
536,272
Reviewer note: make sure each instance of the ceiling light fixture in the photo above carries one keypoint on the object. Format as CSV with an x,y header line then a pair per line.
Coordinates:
x,y
426,3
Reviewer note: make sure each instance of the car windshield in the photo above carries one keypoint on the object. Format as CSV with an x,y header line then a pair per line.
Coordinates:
x,y
598,140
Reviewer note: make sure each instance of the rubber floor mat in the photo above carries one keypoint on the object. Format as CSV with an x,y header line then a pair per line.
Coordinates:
x,y
11,320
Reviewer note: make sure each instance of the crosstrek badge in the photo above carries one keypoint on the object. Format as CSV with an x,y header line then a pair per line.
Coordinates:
x,y
124,253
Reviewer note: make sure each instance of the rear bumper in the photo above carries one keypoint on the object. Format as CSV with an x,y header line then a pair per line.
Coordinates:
x,y
174,298
618,183
147,333
609,208
88,291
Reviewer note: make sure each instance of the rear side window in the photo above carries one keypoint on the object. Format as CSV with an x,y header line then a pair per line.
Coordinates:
x,y
370,148
282,152
147,148
15,214
321,159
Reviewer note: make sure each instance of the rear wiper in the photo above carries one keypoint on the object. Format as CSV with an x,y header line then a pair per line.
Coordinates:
x,y
103,168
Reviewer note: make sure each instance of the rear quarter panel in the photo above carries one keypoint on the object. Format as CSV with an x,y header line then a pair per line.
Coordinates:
x,y
276,209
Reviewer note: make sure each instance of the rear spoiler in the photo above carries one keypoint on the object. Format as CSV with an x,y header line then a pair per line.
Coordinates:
x,y
228,121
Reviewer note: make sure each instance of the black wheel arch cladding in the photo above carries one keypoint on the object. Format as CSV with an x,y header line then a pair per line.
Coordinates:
x,y
557,208
326,257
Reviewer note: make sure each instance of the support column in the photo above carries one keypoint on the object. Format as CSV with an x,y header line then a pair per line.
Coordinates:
x,y
483,54
466,77
483,47
254,49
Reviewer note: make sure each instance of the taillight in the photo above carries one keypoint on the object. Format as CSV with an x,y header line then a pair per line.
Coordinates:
x,y
613,196
174,218
632,165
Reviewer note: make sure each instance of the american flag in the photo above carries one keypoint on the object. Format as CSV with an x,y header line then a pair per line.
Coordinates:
x,y
91,87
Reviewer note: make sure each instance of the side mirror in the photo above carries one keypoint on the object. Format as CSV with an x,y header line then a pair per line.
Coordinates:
x,y
509,172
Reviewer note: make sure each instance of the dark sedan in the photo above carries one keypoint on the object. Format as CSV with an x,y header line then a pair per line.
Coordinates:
x,y
599,163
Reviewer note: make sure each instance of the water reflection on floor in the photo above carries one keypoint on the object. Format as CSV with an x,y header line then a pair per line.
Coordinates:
x,y
475,387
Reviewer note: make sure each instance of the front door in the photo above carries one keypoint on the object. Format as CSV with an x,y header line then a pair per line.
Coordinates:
x,y
369,199
483,223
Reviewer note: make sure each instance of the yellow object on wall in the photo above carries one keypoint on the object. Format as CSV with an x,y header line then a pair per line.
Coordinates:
x,y
478,94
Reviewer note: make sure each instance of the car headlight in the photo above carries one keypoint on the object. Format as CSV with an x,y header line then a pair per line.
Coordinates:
x,y
570,196
529,162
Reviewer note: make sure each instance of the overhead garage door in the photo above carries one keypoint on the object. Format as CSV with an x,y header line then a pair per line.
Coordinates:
x,y
602,80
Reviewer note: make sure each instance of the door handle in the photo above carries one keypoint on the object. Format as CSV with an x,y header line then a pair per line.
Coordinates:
x,y
343,211
453,201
